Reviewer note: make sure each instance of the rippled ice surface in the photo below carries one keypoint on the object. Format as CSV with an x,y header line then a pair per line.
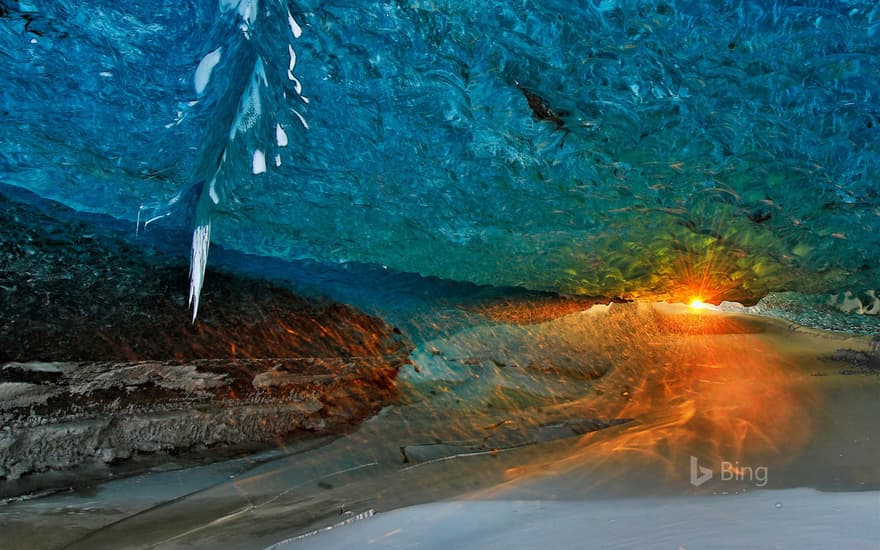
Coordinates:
x,y
615,148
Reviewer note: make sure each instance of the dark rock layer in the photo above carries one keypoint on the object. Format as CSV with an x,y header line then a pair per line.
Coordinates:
x,y
60,415
99,360
72,291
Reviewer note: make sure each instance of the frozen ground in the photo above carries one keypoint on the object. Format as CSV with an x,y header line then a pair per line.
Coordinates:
x,y
592,415
796,518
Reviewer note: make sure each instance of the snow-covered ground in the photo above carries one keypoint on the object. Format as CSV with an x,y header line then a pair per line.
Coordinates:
x,y
794,518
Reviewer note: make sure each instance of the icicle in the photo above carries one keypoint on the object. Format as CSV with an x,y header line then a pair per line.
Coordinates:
x,y
199,258
247,123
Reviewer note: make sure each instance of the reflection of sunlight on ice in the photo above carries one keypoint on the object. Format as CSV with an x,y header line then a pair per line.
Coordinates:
x,y
694,385
526,412
698,304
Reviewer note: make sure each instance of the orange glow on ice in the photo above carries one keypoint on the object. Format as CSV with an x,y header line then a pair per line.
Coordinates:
x,y
710,386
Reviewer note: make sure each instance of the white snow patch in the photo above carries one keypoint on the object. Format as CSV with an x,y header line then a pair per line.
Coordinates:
x,y
302,119
294,26
795,518
296,83
280,136
292,63
259,162
206,66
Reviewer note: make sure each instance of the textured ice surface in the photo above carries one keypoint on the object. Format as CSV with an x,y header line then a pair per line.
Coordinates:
x,y
843,312
609,148
797,517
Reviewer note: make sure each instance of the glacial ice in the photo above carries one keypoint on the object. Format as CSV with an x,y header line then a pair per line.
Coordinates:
x,y
616,148
206,66
201,241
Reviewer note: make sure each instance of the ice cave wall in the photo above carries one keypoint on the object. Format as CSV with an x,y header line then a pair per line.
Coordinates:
x,y
613,148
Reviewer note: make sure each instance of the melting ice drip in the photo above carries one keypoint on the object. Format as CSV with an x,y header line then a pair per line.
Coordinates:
x,y
249,123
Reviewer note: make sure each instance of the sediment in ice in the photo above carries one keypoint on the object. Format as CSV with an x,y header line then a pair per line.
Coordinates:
x,y
99,361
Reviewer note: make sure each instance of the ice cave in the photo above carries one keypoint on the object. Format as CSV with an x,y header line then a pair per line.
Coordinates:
x,y
283,274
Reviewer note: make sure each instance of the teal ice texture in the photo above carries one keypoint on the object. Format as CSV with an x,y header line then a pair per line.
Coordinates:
x,y
610,148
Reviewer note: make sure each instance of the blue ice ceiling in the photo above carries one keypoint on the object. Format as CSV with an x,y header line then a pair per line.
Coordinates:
x,y
614,148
